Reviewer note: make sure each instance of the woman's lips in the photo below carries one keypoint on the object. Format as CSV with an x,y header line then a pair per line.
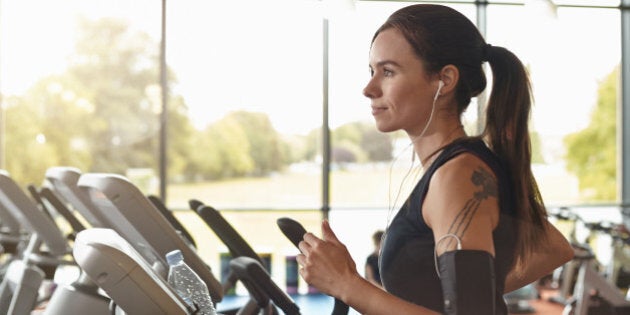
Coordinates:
x,y
378,109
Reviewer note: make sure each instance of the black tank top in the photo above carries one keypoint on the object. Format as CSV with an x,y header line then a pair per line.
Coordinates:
x,y
407,261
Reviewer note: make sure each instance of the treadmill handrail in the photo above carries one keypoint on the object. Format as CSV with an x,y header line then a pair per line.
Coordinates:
x,y
227,234
294,231
260,285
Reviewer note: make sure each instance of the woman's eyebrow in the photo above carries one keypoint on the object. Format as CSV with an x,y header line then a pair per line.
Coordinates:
x,y
387,62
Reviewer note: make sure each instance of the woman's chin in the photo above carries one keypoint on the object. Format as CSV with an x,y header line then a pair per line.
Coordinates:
x,y
385,127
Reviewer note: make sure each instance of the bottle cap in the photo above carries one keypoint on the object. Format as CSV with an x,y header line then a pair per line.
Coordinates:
x,y
174,257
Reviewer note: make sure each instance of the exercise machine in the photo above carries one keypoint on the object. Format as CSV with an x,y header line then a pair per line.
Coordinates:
x,y
179,227
263,295
247,267
130,281
261,288
593,293
13,239
46,250
111,201
585,286
136,219
62,182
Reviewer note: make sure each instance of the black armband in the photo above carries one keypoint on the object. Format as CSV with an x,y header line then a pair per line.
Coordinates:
x,y
468,282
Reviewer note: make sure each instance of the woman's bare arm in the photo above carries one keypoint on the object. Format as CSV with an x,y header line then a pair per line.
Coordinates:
x,y
544,261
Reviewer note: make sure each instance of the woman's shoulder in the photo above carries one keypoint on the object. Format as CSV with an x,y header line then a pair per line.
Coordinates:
x,y
465,168
464,160
474,145
462,183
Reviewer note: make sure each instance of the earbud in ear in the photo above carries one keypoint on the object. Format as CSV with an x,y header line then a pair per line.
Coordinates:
x,y
440,86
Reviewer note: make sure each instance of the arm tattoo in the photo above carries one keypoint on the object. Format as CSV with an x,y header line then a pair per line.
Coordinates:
x,y
487,188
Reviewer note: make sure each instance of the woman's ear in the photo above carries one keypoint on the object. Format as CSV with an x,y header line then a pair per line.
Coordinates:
x,y
449,75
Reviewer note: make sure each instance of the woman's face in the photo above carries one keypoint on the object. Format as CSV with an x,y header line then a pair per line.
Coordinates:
x,y
400,91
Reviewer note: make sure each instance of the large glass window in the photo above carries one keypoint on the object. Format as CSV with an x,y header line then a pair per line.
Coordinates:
x,y
80,86
573,56
246,97
251,80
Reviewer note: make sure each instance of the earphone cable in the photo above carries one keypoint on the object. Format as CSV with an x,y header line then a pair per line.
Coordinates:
x,y
389,193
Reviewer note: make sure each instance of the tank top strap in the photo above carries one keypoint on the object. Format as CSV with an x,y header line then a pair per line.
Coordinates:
x,y
478,148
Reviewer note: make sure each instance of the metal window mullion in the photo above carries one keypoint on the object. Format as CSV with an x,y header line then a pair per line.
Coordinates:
x,y
164,114
624,108
325,127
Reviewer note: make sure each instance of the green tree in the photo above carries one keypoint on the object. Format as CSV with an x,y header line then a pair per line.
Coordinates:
x,y
205,161
295,148
265,144
66,115
120,70
29,154
47,126
374,145
595,165
351,132
118,67
345,152
377,145
313,144
103,112
223,151
180,139
359,139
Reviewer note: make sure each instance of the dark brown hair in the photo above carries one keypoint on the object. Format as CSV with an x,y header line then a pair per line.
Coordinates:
x,y
442,36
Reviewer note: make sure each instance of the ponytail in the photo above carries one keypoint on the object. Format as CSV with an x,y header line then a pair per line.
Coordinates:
x,y
507,133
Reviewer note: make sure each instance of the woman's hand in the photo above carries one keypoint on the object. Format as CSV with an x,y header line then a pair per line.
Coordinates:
x,y
326,263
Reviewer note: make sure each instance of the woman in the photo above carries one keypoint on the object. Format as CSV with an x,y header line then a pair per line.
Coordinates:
x,y
475,226
372,272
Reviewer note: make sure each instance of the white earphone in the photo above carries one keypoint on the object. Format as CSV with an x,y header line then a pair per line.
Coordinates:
x,y
437,93
435,260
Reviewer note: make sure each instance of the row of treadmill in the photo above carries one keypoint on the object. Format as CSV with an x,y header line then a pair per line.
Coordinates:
x,y
120,254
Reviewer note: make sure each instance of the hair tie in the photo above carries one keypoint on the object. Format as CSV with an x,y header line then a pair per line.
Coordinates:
x,y
485,52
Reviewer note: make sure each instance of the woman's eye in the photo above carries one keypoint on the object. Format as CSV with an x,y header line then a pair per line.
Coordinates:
x,y
388,72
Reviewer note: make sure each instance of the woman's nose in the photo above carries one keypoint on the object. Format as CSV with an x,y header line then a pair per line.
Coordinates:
x,y
371,90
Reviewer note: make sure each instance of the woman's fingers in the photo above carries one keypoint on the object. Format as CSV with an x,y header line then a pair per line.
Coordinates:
x,y
324,261
327,232
310,238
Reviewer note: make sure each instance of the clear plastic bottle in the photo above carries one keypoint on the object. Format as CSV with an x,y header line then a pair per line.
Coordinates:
x,y
188,284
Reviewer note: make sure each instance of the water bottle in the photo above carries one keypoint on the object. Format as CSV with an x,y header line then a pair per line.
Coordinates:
x,y
188,285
